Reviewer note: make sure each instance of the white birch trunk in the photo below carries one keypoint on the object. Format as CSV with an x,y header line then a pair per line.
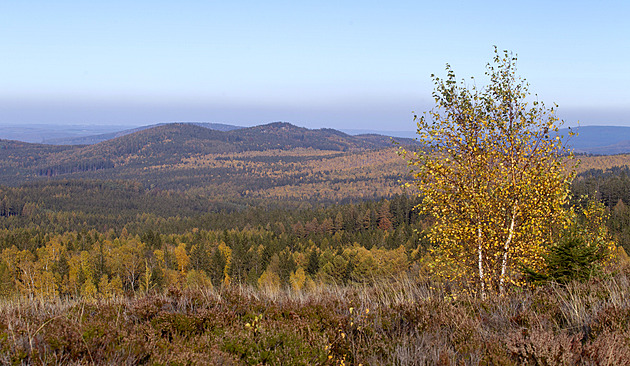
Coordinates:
x,y
480,264
506,247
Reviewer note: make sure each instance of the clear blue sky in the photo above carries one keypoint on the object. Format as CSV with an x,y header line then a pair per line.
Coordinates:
x,y
339,64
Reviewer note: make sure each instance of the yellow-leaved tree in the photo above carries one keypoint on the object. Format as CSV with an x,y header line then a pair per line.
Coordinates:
x,y
492,173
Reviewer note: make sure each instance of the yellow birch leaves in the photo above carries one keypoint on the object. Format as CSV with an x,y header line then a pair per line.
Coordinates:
x,y
490,174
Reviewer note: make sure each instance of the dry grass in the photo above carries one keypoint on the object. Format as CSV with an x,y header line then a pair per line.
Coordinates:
x,y
400,322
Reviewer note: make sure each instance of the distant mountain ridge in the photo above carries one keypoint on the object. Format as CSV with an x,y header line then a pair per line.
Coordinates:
x,y
94,139
164,146
599,140
276,160
216,138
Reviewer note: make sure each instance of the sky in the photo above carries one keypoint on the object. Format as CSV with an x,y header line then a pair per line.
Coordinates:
x,y
335,64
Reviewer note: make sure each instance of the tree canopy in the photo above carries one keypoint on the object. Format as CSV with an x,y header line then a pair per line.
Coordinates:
x,y
491,173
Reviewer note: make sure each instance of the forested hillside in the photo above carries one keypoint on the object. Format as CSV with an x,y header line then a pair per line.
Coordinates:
x,y
275,161
281,228
270,195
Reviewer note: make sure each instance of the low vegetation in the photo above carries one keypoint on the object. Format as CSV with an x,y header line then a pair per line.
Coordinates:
x,y
402,321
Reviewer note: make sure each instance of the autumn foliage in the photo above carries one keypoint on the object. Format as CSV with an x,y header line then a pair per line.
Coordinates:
x,y
287,246
491,173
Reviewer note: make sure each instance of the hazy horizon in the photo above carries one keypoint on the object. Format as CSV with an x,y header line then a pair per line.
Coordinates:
x,y
350,65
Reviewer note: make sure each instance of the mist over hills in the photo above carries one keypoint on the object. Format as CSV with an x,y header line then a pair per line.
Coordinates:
x,y
39,133
94,139
599,140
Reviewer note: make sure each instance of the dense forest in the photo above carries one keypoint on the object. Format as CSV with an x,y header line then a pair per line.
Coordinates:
x,y
260,247
76,232
259,215
224,243
118,273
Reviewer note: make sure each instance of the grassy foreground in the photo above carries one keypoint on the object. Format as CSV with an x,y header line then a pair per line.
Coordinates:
x,y
402,322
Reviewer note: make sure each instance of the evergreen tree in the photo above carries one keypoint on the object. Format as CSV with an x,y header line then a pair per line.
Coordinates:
x,y
217,267
313,263
572,258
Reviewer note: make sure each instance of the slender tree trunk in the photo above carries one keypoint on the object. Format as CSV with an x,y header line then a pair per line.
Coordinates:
x,y
506,246
480,263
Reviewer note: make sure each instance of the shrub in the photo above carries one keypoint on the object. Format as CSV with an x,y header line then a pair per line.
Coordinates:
x,y
572,258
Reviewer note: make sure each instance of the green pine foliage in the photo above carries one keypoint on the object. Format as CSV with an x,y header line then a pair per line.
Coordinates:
x,y
573,258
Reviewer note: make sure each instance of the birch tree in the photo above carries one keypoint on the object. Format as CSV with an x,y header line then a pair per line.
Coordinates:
x,y
492,173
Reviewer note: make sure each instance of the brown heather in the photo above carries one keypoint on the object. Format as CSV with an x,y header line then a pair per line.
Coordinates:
x,y
400,322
